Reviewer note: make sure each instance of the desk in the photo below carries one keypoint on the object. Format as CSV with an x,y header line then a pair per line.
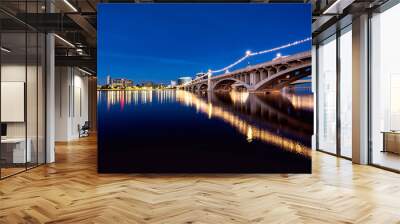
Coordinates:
x,y
18,150
391,141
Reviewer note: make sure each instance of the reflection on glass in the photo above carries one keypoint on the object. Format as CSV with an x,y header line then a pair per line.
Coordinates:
x,y
15,146
346,93
327,96
385,89
23,63
23,139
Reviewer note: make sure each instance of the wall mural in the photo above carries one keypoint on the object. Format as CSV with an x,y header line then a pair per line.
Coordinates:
x,y
204,88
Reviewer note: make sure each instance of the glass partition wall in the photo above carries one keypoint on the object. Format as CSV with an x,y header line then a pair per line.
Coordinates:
x,y
327,95
22,98
334,90
334,84
345,92
385,89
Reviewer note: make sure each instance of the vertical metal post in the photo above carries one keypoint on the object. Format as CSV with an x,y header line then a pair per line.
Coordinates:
x,y
0,93
316,97
26,116
338,76
37,91
369,79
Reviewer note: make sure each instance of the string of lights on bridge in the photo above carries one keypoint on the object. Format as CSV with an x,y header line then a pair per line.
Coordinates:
x,y
249,54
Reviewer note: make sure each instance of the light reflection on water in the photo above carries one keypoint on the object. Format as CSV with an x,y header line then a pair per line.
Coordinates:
x,y
239,110
241,125
303,102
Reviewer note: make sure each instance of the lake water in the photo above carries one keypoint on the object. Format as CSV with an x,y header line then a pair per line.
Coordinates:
x,y
171,131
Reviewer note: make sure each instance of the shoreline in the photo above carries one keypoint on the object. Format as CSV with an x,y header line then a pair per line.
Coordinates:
x,y
130,89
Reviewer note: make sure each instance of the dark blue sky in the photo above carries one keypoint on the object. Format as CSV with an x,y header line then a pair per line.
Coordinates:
x,y
161,42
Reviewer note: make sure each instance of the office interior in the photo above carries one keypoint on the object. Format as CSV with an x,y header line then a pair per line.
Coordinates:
x,y
48,79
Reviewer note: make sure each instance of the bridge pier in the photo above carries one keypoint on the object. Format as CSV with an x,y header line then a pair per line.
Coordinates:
x,y
247,79
252,78
263,74
258,77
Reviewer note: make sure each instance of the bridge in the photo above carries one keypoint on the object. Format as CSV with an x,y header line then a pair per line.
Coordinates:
x,y
263,77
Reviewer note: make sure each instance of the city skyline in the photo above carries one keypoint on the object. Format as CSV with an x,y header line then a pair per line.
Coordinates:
x,y
161,43
110,78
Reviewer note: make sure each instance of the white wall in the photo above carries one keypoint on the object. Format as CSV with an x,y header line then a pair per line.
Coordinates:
x,y
62,83
14,72
71,102
80,105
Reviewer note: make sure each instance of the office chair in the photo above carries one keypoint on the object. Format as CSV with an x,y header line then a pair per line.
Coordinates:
x,y
84,130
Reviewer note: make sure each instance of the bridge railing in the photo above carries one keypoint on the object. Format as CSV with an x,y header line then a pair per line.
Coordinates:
x,y
298,56
281,60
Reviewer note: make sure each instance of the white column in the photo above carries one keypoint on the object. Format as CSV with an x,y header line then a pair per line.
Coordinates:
x,y
360,90
50,98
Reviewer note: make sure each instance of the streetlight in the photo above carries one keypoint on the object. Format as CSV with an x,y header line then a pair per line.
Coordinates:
x,y
70,5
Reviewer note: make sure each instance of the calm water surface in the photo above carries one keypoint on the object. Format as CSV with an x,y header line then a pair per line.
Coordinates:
x,y
178,131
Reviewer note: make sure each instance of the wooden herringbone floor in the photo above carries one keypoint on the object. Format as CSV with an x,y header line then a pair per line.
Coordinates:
x,y
70,191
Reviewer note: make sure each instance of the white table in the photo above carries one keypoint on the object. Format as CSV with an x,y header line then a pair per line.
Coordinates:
x,y
19,153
